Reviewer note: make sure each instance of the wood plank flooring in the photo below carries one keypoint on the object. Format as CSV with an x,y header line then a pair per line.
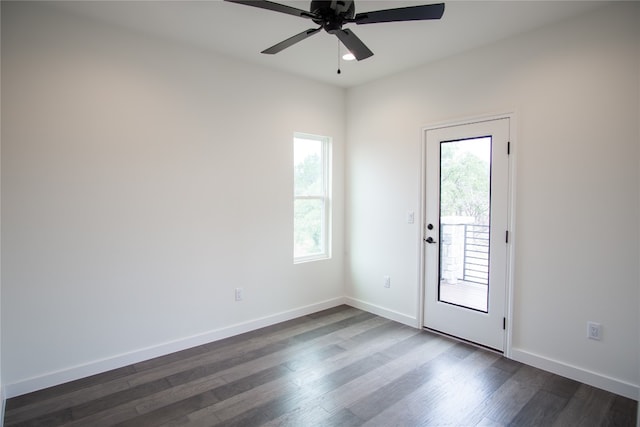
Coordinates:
x,y
338,367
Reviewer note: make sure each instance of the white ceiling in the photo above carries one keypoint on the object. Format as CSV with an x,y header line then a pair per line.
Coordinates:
x,y
242,32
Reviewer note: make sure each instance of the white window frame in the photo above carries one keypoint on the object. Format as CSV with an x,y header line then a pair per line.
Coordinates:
x,y
324,196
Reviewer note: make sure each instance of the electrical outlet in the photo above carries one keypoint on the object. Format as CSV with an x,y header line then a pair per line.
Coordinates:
x,y
387,281
239,294
594,331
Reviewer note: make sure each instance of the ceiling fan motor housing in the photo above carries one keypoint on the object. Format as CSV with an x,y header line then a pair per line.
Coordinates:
x,y
332,13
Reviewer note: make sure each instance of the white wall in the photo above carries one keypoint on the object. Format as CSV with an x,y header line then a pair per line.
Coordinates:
x,y
574,88
142,181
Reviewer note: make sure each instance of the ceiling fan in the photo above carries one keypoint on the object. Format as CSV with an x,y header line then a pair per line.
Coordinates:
x,y
331,15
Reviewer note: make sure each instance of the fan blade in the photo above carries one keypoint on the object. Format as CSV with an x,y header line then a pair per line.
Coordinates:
x,y
276,7
291,41
353,44
411,13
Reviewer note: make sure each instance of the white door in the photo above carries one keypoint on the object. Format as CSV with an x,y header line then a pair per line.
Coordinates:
x,y
466,237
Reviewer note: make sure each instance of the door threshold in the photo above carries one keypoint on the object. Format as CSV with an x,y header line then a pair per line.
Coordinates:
x,y
475,344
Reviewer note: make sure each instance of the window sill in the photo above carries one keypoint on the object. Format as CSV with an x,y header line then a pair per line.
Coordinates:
x,y
311,258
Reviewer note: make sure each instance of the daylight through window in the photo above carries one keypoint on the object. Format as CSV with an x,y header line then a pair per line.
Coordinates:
x,y
311,202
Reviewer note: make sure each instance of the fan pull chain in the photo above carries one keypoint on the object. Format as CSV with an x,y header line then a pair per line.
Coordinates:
x,y
339,57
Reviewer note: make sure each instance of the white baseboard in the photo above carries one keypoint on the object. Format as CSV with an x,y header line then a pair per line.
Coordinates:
x,y
623,388
3,402
70,374
383,312
8,391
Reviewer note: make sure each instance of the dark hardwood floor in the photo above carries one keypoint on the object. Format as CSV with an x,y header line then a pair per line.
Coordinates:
x,y
338,367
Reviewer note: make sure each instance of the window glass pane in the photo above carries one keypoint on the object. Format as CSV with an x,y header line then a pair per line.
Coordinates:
x,y
307,166
308,220
465,194
311,200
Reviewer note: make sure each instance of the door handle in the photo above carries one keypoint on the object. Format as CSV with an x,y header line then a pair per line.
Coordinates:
x,y
430,240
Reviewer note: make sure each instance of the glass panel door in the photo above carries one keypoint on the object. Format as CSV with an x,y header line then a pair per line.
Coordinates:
x,y
466,203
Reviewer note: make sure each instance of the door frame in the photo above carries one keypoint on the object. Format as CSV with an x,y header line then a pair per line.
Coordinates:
x,y
511,216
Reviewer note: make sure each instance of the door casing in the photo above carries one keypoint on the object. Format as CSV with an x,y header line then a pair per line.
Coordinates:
x,y
508,336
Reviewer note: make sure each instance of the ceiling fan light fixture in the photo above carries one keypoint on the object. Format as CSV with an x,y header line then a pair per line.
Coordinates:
x,y
348,56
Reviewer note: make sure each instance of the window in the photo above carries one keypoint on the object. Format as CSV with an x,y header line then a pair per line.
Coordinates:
x,y
311,202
